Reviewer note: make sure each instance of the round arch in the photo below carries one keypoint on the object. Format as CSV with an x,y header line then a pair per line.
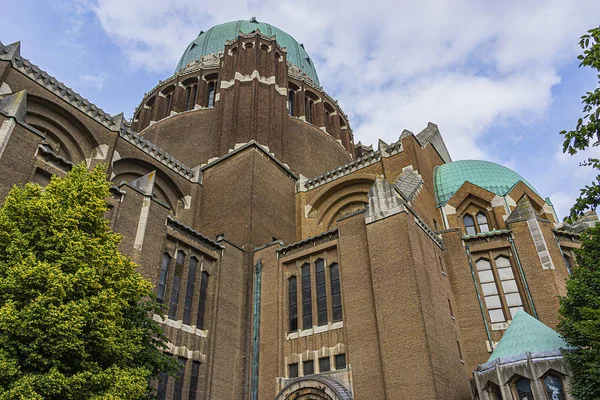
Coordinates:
x,y
314,388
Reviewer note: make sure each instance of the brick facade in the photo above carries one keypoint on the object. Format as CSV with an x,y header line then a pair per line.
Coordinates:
x,y
238,184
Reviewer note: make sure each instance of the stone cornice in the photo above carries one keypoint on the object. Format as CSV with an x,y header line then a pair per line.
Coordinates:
x,y
178,226
328,235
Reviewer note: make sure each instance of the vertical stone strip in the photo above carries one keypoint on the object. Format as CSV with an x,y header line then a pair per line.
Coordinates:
x,y
256,329
143,222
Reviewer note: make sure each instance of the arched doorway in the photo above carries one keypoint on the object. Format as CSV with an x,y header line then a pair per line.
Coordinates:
x,y
314,388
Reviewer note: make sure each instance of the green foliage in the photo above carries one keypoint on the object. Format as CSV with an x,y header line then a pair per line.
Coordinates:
x,y
587,131
580,318
74,314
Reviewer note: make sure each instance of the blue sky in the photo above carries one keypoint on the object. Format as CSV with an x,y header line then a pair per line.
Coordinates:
x,y
500,80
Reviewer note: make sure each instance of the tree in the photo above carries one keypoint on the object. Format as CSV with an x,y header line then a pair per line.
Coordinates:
x,y
587,131
580,309
580,318
74,314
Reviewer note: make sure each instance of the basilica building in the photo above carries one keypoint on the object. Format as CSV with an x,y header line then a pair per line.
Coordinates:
x,y
294,263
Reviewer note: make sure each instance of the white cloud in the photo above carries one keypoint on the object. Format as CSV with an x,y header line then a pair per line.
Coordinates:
x,y
94,81
467,66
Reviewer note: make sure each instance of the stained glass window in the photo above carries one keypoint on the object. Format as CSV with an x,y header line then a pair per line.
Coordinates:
x,y
554,387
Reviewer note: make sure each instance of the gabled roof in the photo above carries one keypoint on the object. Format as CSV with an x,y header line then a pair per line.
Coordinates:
x,y
527,334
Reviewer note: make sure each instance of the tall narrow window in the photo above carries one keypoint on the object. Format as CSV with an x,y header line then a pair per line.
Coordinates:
x,y
174,301
482,222
509,285
202,299
450,308
189,291
163,381
308,110
291,96
178,388
293,304
554,387
321,293
568,263
469,225
327,116
162,278
306,298
490,291
190,97
460,356
336,292
211,94
523,389
169,98
194,380
494,392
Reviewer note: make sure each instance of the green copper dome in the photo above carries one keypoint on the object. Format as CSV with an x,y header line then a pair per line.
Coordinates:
x,y
448,178
213,41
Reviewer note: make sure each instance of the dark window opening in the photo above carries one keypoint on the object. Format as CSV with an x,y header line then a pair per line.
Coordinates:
x,y
450,307
568,263
469,225
340,361
482,222
336,293
169,98
190,97
202,300
324,365
459,350
306,298
189,291
523,389
327,117
162,278
309,367
178,388
293,304
291,96
308,110
441,265
293,370
321,293
174,301
211,94
194,379
161,391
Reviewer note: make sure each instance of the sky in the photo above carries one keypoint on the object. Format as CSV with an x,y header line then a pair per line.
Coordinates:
x,y
500,79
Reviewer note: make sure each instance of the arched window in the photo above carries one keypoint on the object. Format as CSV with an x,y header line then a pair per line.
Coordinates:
x,y
482,222
291,96
190,97
293,304
211,94
306,298
509,285
490,290
336,292
174,300
327,117
189,291
202,300
554,387
469,225
321,293
523,389
494,392
162,278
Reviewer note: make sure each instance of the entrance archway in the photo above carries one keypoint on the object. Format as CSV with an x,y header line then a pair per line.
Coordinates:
x,y
314,388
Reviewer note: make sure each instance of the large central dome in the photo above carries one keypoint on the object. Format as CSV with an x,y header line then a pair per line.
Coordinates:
x,y
213,41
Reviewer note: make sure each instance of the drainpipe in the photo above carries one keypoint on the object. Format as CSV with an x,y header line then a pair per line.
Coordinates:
x,y
520,267
487,329
256,329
